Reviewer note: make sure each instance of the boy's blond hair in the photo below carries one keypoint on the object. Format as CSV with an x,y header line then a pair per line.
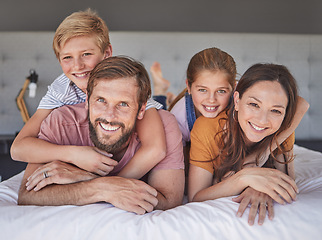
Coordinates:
x,y
82,23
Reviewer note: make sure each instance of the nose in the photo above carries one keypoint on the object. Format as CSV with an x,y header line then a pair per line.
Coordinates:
x,y
78,63
109,113
212,97
263,117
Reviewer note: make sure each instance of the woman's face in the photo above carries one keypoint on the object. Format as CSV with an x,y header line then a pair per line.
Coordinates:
x,y
210,93
261,110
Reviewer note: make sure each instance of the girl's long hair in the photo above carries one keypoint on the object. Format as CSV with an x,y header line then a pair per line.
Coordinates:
x,y
231,139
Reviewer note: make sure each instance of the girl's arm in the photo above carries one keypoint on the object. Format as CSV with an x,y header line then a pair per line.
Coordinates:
x,y
274,183
28,148
302,107
153,146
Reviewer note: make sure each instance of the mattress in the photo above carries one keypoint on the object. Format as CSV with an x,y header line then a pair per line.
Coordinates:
x,y
214,219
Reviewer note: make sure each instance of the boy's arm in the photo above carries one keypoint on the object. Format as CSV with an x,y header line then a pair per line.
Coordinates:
x,y
302,107
153,146
22,147
285,168
28,148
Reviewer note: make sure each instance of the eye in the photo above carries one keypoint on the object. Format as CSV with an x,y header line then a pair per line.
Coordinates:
x,y
66,57
276,111
101,100
254,105
202,90
123,104
221,91
86,54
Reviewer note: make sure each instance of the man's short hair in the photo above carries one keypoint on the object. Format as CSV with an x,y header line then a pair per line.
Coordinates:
x,y
79,24
120,67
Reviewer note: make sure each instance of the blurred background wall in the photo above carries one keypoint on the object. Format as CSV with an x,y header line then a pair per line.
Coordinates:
x,y
256,16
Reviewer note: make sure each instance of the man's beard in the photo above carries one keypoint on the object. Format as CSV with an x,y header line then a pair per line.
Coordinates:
x,y
111,148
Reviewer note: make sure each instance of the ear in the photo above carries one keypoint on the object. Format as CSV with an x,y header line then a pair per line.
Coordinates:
x,y
189,89
108,51
236,100
141,112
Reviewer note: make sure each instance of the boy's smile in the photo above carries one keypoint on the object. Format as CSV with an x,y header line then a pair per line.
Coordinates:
x,y
79,56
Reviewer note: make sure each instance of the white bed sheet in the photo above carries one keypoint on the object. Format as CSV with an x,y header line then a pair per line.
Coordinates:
x,y
214,219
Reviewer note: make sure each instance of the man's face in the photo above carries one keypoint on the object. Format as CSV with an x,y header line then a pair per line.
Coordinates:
x,y
113,110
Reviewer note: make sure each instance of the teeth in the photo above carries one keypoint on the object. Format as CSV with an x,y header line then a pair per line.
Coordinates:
x,y
80,75
211,108
256,127
108,127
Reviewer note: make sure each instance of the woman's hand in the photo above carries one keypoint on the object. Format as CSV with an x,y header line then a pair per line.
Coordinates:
x,y
258,201
274,183
92,160
57,172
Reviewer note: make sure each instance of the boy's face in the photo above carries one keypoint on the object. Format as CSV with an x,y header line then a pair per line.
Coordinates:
x,y
79,56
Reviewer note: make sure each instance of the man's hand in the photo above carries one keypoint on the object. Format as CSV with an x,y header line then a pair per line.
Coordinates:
x,y
57,172
92,160
259,202
129,194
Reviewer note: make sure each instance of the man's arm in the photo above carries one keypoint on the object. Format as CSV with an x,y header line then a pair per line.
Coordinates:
x,y
128,194
170,186
75,194
168,176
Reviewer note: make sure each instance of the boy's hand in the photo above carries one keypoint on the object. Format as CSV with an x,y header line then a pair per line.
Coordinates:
x,y
92,159
57,172
259,202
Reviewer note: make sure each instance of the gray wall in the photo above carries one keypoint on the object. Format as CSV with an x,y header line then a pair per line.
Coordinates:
x,y
255,16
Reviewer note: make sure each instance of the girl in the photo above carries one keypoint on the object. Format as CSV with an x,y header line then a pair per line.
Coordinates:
x,y
211,75
259,117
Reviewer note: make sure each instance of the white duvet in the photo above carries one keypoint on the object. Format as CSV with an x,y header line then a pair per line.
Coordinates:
x,y
214,219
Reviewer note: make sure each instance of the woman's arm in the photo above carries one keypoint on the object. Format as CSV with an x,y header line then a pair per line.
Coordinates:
x,y
274,183
153,149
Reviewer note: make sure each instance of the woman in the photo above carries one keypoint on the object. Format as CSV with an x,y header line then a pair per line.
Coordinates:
x,y
265,102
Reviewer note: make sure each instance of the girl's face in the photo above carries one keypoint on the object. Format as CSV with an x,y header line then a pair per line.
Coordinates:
x,y
261,110
210,93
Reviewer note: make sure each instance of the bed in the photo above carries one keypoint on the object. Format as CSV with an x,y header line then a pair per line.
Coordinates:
x,y
215,219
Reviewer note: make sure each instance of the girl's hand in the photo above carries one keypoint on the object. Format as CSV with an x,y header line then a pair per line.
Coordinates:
x,y
92,160
259,202
274,183
57,172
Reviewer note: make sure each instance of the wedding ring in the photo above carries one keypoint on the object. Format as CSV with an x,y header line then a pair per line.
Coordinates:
x,y
45,174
